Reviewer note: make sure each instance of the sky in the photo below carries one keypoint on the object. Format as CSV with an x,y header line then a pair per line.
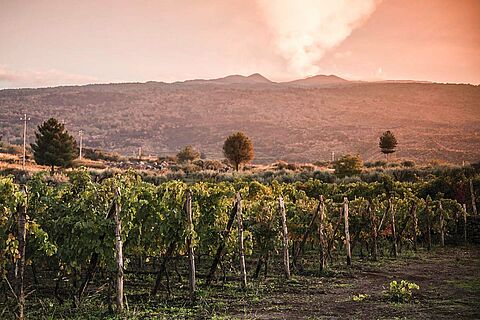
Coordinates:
x,y
64,42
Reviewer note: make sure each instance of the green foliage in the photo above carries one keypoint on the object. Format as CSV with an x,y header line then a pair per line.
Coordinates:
x,y
12,200
10,148
348,165
408,163
401,291
69,220
360,297
388,142
188,153
54,146
238,149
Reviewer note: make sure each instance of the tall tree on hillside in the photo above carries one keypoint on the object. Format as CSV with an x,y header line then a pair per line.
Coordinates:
x,y
387,143
238,149
54,146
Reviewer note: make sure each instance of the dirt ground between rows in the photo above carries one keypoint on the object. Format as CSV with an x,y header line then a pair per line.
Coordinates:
x,y
449,280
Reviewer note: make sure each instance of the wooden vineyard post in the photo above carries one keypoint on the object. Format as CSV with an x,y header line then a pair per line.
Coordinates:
x,y
241,249
347,232
429,228
191,253
472,195
221,247
22,237
373,220
465,223
415,226
394,235
118,252
442,224
286,258
321,235
298,249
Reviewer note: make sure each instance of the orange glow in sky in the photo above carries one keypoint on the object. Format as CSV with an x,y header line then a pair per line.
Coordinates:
x,y
56,42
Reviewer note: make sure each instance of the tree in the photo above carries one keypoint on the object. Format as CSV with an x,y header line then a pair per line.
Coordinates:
x,y
238,149
387,143
188,153
348,165
54,146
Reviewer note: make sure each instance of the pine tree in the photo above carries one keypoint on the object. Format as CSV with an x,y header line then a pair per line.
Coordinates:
x,y
54,146
388,143
238,149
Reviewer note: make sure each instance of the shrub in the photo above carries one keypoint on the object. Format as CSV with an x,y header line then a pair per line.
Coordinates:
x,y
402,291
94,154
393,165
213,165
308,167
360,297
348,165
324,176
376,164
11,148
326,164
188,153
408,163
190,168
292,166
281,165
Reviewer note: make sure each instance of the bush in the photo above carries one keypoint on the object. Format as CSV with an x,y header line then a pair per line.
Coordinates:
x,y
408,163
190,168
393,165
360,297
187,154
280,165
348,165
292,166
324,176
11,148
326,164
214,165
402,291
308,167
94,154
376,164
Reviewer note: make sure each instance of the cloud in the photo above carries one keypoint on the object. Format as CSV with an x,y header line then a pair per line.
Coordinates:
x,y
304,30
40,78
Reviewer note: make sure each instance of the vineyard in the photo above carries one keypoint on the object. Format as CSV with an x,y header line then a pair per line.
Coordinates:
x,y
123,241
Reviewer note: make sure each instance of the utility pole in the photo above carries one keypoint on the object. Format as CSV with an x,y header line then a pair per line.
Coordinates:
x,y
24,119
80,133
333,156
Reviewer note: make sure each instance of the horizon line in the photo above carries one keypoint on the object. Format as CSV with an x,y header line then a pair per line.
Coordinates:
x,y
347,79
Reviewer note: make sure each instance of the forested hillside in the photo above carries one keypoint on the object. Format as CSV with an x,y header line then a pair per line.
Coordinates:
x,y
297,121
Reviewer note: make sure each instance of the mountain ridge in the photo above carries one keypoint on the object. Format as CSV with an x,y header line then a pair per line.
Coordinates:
x,y
286,122
255,78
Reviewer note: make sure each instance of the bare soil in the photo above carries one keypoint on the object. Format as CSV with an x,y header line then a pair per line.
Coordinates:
x,y
449,281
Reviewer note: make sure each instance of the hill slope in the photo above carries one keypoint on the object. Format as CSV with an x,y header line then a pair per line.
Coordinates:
x,y
285,121
318,80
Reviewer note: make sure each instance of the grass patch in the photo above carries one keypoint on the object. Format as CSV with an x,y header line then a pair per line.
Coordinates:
x,y
472,285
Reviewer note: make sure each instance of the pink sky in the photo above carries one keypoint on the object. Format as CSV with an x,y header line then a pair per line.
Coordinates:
x,y
56,42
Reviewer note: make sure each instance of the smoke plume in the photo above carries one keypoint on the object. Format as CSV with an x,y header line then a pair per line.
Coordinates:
x,y
304,30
